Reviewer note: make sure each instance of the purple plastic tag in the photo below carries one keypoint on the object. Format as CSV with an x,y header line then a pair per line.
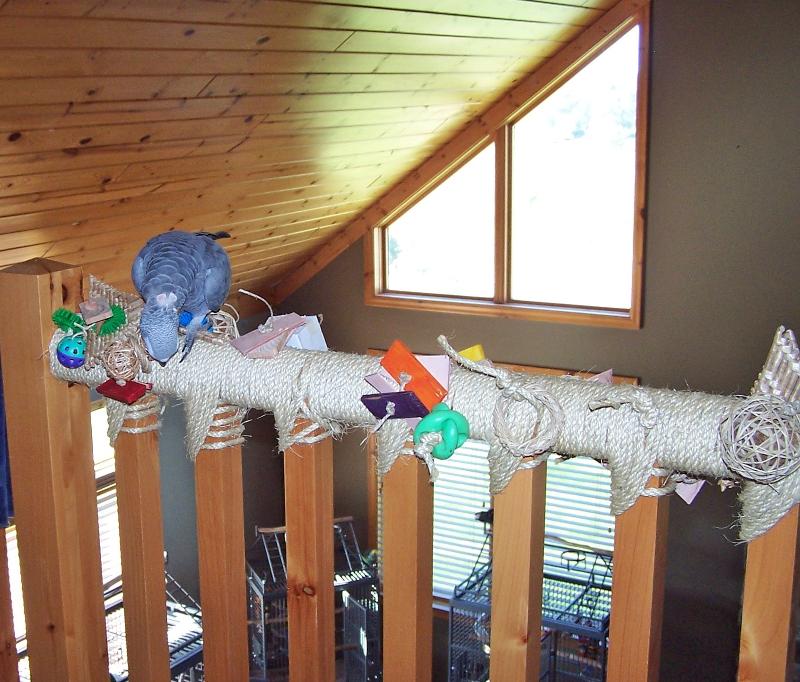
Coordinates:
x,y
406,404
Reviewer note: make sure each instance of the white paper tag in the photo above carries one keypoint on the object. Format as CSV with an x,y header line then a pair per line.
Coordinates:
x,y
310,337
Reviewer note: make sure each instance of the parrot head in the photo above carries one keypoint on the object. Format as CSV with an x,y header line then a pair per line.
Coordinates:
x,y
159,327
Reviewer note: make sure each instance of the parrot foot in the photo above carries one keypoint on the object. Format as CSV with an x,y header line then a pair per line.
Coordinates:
x,y
194,326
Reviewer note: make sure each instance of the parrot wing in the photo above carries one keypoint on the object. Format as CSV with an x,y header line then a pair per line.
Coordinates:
x,y
138,273
218,277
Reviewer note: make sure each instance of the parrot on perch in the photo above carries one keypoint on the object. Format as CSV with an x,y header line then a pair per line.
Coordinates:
x,y
179,272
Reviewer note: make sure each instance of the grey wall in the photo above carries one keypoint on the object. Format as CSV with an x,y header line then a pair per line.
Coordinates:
x,y
721,272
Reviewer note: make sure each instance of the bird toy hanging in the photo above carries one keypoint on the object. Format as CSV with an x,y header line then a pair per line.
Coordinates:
x,y
71,350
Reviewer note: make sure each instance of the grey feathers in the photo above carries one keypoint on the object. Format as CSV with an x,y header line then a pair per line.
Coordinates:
x,y
179,272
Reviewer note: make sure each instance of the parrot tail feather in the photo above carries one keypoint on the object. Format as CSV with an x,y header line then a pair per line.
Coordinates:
x,y
215,235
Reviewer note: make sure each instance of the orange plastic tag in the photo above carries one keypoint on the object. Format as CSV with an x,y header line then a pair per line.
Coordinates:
x,y
399,361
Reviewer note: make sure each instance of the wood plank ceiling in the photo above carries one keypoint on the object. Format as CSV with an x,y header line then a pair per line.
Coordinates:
x,y
279,121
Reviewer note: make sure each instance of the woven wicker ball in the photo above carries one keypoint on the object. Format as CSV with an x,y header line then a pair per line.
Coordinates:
x,y
224,324
761,439
121,360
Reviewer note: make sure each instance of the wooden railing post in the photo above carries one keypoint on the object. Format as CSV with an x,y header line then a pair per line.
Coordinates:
x,y
407,572
220,548
308,486
517,567
142,548
8,644
52,474
637,591
768,606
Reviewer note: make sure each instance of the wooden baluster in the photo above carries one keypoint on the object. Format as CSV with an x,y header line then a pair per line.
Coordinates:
x,y
770,599
637,591
52,473
407,572
8,644
308,486
517,559
142,548
220,545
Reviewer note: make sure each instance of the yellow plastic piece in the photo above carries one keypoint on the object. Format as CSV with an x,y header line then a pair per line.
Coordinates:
x,y
474,353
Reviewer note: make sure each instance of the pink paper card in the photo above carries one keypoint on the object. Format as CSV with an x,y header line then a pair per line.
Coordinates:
x,y
382,381
688,491
268,339
604,377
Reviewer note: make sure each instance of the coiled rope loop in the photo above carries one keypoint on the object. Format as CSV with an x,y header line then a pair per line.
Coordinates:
x,y
517,388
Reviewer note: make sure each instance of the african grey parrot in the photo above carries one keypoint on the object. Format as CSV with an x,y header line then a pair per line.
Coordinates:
x,y
176,272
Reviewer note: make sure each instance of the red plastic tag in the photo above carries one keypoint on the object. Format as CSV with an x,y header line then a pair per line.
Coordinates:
x,y
127,393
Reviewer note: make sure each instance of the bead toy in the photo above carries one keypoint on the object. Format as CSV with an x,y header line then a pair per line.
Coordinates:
x,y
71,351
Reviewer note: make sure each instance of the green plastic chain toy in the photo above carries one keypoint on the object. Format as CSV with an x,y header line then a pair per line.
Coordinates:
x,y
452,426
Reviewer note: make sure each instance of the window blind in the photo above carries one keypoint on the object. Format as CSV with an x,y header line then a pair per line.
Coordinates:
x,y
576,515
460,492
108,521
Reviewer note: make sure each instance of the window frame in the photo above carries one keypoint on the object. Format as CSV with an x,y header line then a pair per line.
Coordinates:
x,y
499,135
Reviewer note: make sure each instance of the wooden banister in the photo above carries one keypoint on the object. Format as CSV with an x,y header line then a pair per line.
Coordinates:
x,y
517,558
637,593
141,539
769,602
407,572
52,473
220,546
308,484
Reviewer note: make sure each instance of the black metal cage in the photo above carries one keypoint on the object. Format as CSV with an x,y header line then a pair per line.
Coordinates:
x,y
357,607
576,605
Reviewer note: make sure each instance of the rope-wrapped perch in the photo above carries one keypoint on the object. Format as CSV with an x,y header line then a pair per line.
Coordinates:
x,y
631,429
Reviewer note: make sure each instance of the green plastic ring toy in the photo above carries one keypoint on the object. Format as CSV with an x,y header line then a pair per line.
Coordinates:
x,y
452,426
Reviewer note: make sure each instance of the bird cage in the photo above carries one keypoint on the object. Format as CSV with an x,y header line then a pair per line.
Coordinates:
x,y
356,608
576,607
470,612
470,622
184,635
576,604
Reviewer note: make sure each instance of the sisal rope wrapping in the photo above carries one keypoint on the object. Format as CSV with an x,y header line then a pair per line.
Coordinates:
x,y
629,428
147,406
328,386
226,428
121,417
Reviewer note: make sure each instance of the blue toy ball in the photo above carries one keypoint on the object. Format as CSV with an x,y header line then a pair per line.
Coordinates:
x,y
71,351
